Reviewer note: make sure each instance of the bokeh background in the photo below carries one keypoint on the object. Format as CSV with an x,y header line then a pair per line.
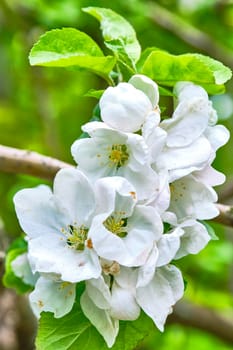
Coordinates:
x,y
42,109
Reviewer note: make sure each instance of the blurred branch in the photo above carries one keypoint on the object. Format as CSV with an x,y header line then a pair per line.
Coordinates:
x,y
188,33
227,192
202,318
225,216
13,160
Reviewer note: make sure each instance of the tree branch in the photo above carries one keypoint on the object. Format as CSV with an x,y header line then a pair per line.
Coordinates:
x,y
202,318
17,161
225,216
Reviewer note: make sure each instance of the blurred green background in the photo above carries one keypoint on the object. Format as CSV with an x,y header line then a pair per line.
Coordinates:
x,y
42,109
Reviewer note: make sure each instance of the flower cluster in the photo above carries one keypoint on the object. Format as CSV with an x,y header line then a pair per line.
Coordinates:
x,y
132,206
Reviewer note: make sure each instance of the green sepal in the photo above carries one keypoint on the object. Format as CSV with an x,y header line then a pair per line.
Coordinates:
x,y
167,70
94,93
210,230
69,47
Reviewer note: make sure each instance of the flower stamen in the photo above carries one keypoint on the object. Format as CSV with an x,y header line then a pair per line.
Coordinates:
x,y
76,236
118,155
116,224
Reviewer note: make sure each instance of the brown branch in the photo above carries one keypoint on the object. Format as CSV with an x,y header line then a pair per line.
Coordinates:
x,y
17,161
202,318
225,216
188,33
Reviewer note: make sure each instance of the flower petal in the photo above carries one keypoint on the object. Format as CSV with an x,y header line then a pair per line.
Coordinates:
x,y
124,107
168,246
56,297
157,297
191,199
146,85
75,195
38,213
107,326
195,238
99,292
53,255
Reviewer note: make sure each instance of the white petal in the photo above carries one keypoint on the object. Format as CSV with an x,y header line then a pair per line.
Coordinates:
x,y
38,213
157,298
53,255
178,160
160,198
107,326
99,292
115,194
193,241
209,176
189,121
22,269
107,244
144,228
124,107
123,303
146,272
174,277
217,135
187,90
75,195
145,181
91,157
56,297
192,199
146,85
168,246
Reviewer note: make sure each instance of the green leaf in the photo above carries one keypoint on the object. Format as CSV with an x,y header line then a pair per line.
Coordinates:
x,y
74,331
211,231
119,35
167,69
94,93
70,47
10,280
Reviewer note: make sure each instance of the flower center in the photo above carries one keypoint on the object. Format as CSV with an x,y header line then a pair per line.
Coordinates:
x,y
118,155
76,236
116,224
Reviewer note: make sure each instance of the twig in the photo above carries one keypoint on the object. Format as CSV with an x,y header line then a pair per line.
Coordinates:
x,y
188,33
202,318
13,160
225,216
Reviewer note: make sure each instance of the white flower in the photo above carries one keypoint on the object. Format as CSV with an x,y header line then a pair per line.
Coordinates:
x,y
185,237
122,230
108,299
95,303
126,106
187,91
110,152
157,297
52,295
190,131
57,226
192,199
